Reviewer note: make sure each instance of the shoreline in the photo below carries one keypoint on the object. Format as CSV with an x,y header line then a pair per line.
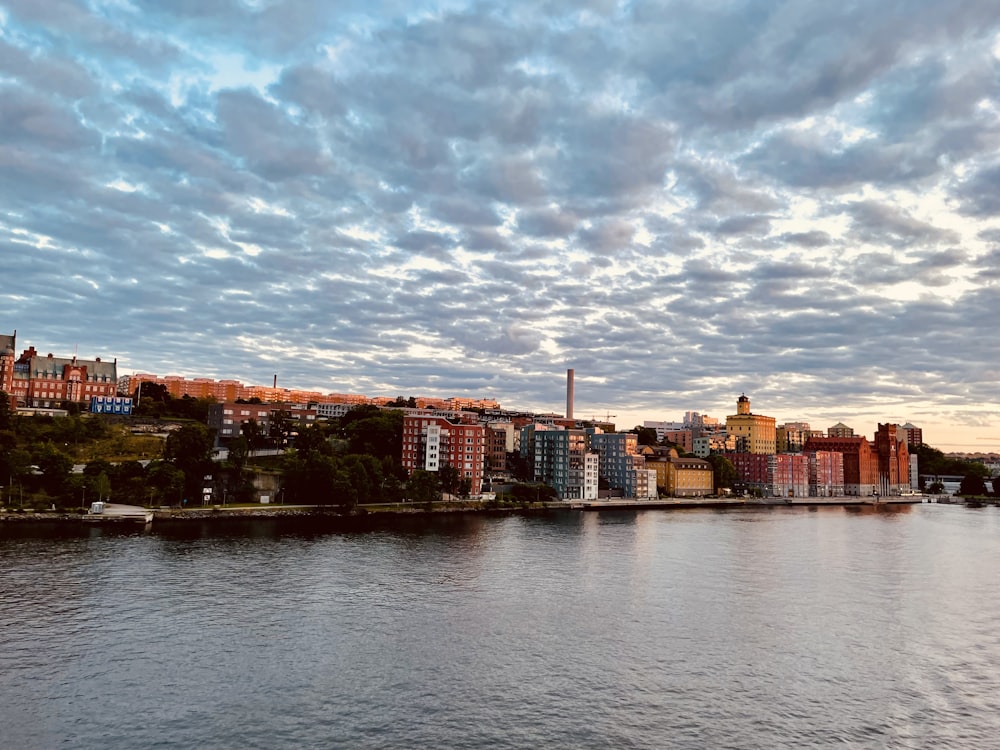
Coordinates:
x,y
372,515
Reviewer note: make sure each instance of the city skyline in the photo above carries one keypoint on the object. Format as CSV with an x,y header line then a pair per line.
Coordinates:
x,y
681,203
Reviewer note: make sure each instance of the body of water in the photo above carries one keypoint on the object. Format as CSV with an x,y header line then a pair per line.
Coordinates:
x,y
783,628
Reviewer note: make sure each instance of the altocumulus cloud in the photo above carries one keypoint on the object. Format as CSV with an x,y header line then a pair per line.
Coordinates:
x,y
681,200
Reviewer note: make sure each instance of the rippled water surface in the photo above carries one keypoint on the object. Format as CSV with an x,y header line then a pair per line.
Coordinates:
x,y
739,629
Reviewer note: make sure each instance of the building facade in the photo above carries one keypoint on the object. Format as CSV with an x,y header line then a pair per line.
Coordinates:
x,y
228,418
860,467
787,475
893,461
562,459
47,381
754,433
430,442
826,474
621,465
7,351
913,435
840,430
791,437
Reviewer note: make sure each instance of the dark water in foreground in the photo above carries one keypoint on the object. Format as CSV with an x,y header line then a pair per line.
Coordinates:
x,y
741,629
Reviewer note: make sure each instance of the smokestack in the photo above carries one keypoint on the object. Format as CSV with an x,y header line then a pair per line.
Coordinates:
x,y
275,380
569,394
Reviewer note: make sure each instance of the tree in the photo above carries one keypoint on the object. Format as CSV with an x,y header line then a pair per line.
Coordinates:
x,y
532,493
102,486
448,478
55,467
6,414
128,482
166,483
280,428
423,487
238,454
933,461
379,434
17,465
647,435
150,399
935,488
190,450
724,474
313,440
254,434
972,485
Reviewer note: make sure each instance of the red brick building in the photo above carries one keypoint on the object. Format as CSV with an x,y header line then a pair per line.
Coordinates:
x,y
893,459
7,351
45,382
860,467
751,469
879,468
826,474
432,442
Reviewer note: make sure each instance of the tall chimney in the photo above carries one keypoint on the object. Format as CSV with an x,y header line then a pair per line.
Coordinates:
x,y
275,380
569,394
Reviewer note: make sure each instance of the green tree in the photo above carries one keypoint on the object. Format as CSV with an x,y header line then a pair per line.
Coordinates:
x,y
647,435
933,461
6,414
311,440
379,434
935,488
254,434
448,478
128,482
724,474
150,399
423,487
533,493
55,467
166,483
17,465
190,450
102,486
280,428
972,485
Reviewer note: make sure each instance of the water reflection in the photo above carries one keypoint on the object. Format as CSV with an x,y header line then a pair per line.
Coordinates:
x,y
780,628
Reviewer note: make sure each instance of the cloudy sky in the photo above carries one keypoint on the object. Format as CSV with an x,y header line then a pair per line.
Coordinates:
x,y
683,201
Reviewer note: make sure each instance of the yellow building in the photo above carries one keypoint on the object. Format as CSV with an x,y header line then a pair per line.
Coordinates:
x,y
679,477
754,433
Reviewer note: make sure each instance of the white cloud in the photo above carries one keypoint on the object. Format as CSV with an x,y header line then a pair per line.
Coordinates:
x,y
683,201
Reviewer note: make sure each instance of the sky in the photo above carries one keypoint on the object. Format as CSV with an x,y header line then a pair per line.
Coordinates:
x,y
682,201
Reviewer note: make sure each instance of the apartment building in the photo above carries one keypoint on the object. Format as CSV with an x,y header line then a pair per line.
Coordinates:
x,y
430,442
562,459
826,474
913,435
228,418
621,465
